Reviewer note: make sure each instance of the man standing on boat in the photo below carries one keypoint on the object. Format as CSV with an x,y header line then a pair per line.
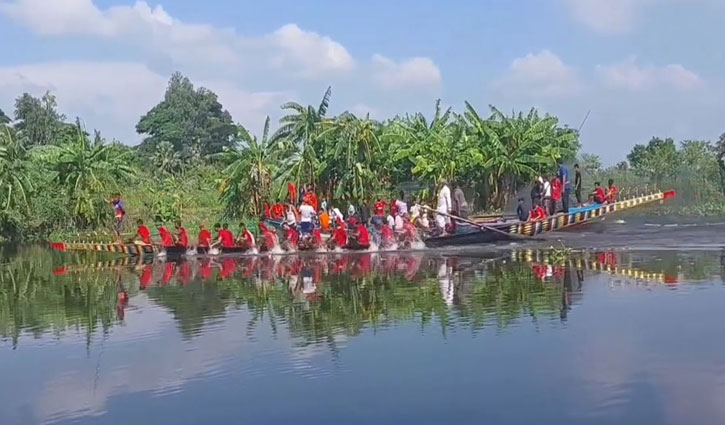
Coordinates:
x,y
563,175
577,184
459,198
444,206
119,214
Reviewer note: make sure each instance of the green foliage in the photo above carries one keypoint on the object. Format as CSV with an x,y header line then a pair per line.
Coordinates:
x,y
590,163
38,122
192,120
656,160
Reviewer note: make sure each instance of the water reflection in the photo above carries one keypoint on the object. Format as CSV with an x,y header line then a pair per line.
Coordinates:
x,y
88,331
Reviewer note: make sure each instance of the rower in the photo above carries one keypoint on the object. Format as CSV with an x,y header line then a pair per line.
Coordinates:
x,y
521,211
143,233
245,238
362,235
307,212
204,236
218,235
227,236
182,239
612,192
339,236
164,234
537,213
598,195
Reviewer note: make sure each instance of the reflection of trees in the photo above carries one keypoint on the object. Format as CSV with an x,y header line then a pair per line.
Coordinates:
x,y
34,300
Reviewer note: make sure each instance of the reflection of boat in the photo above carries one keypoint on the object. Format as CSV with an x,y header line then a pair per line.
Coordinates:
x,y
468,234
603,262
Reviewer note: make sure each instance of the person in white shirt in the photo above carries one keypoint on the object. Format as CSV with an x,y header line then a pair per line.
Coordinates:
x,y
414,210
290,216
307,212
400,205
546,192
444,206
391,220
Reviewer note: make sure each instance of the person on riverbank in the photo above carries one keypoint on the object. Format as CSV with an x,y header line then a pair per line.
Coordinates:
x,y
119,213
204,236
459,201
143,233
444,207
182,239
612,192
577,184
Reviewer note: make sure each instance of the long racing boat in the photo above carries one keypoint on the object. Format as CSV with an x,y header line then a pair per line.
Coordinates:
x,y
466,234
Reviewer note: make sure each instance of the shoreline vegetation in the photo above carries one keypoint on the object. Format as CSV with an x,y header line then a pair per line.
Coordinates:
x,y
196,164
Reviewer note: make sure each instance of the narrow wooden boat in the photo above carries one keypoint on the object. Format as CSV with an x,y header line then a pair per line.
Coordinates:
x,y
468,234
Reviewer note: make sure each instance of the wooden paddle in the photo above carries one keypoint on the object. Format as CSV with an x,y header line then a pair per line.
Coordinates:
x,y
480,226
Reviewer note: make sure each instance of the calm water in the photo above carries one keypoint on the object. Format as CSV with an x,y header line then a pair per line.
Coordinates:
x,y
439,337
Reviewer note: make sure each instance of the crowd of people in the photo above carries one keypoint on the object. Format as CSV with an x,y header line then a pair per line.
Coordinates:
x,y
301,222
550,196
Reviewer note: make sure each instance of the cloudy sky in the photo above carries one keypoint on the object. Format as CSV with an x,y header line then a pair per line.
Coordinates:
x,y
643,67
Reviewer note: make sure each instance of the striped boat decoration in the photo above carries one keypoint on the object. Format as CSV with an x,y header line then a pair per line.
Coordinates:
x,y
560,221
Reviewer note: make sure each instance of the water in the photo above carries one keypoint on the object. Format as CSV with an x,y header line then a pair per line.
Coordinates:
x,y
627,335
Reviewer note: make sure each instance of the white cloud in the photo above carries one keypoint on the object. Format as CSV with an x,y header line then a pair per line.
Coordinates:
x,y
606,16
542,74
629,75
112,96
308,54
361,110
417,72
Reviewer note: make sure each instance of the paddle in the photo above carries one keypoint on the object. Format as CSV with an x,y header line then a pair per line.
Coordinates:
x,y
481,227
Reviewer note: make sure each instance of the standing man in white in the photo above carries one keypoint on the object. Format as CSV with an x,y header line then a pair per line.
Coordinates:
x,y
444,206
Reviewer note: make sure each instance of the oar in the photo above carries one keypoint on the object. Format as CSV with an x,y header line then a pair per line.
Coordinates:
x,y
480,226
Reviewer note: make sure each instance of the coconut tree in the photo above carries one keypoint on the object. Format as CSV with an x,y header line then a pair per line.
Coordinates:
x,y
300,132
87,171
249,175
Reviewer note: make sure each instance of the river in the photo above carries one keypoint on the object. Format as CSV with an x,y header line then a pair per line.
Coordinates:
x,y
628,333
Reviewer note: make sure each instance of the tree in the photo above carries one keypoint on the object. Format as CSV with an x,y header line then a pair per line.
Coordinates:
x,y
165,159
590,163
300,131
249,175
720,155
38,122
4,119
87,171
15,181
192,120
657,160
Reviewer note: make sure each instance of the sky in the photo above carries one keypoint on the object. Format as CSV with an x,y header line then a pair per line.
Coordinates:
x,y
643,68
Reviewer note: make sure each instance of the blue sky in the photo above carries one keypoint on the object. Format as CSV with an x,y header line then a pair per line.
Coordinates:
x,y
643,67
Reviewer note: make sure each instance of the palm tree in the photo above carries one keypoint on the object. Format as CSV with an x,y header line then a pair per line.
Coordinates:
x,y
87,171
250,173
300,131
15,181
347,168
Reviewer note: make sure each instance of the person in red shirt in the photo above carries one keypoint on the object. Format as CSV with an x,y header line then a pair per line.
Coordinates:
x,y
204,236
292,189
379,207
310,197
291,237
339,236
142,233
555,195
537,213
363,236
269,239
612,192
165,235
386,236
598,195
226,236
245,238
182,239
